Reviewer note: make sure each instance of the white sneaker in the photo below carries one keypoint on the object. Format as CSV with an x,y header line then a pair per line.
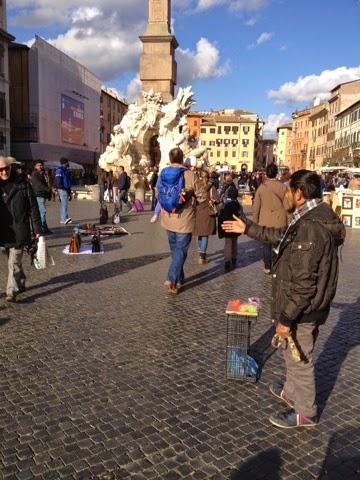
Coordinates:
x,y
154,218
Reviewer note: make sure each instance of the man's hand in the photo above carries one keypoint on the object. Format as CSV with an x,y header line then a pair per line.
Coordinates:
x,y
234,226
282,330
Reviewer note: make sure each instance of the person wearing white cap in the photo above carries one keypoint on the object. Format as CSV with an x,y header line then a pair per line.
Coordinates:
x,y
18,211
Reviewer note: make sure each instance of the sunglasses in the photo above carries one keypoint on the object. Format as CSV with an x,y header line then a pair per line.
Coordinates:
x,y
4,169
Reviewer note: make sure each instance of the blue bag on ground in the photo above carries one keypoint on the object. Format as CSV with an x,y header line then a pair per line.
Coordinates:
x,y
170,185
236,363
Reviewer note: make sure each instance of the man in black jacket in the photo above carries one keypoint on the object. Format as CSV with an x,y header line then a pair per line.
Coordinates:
x,y
42,191
304,280
124,185
18,211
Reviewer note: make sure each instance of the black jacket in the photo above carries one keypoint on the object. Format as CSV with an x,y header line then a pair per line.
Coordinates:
x,y
229,209
40,185
18,211
305,271
123,181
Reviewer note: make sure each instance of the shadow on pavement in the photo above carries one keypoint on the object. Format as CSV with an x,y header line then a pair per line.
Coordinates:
x,y
94,274
342,459
344,337
248,253
264,465
261,349
4,321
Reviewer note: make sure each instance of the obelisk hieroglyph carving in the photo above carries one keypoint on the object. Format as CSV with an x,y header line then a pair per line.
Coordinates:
x,y
157,63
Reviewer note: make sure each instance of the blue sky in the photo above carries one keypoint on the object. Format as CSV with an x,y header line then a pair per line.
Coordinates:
x,y
233,52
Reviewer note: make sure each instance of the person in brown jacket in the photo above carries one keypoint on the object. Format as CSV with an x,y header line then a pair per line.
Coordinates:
x,y
177,214
205,218
269,209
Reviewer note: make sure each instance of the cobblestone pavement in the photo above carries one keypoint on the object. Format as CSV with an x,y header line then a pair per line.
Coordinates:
x,y
104,376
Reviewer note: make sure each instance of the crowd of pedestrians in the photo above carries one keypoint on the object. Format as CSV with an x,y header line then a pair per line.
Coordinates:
x,y
300,234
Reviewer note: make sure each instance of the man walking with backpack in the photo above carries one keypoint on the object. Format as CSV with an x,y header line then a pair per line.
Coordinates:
x,y
63,185
124,184
176,187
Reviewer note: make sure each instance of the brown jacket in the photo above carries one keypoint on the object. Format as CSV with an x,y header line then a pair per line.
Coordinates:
x,y
184,220
270,204
354,184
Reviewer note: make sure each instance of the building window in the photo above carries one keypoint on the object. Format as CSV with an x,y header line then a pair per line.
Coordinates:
x,y
219,130
246,130
218,153
195,123
203,143
233,154
212,130
235,130
244,154
226,153
245,142
211,154
227,130
203,130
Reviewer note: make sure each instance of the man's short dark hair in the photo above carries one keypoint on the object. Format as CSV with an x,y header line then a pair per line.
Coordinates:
x,y
232,192
308,182
271,170
63,160
176,155
35,162
121,167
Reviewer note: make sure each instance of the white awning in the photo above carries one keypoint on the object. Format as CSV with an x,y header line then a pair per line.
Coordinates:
x,y
55,164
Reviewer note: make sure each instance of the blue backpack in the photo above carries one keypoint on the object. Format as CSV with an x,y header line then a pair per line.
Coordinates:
x,y
170,185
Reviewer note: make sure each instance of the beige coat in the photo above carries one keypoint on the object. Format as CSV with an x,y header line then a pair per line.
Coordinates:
x,y
183,221
354,184
270,204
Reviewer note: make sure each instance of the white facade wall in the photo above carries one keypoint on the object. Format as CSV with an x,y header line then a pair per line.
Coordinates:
x,y
53,74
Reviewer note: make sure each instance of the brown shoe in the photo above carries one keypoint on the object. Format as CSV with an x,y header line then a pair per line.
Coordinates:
x,y
171,288
202,259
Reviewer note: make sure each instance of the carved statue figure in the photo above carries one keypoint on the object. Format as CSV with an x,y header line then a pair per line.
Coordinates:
x,y
130,142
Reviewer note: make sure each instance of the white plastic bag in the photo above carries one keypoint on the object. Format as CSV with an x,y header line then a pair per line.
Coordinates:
x,y
107,195
42,258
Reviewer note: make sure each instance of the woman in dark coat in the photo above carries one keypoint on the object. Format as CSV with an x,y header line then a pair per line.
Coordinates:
x,y
205,220
230,207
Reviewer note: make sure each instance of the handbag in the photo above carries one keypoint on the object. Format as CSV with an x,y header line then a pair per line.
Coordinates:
x,y
107,195
213,206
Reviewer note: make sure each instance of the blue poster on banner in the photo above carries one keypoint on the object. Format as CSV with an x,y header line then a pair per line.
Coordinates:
x,y
72,121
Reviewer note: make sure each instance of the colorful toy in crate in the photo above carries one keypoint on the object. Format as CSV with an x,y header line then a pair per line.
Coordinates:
x,y
251,306
240,365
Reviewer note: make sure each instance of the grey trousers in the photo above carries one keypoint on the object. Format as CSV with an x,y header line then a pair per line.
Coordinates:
x,y
300,377
16,275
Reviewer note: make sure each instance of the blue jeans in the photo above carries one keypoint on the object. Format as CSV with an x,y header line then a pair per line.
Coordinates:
x,y
64,200
42,211
179,245
203,244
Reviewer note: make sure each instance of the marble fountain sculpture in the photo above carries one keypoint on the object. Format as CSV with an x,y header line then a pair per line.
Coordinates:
x,y
131,139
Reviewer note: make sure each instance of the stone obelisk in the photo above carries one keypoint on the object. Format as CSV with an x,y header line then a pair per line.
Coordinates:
x,y
157,63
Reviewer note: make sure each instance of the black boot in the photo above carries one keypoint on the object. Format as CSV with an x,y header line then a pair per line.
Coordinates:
x,y
227,266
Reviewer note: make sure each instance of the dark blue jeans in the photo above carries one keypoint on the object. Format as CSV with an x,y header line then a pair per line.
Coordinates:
x,y
179,246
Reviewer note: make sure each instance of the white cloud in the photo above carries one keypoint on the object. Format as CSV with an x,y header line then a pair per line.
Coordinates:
x,y
262,38
204,63
104,38
233,5
304,89
272,122
251,22
134,89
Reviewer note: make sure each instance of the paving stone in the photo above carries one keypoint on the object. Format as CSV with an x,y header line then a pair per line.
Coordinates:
x,y
103,376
